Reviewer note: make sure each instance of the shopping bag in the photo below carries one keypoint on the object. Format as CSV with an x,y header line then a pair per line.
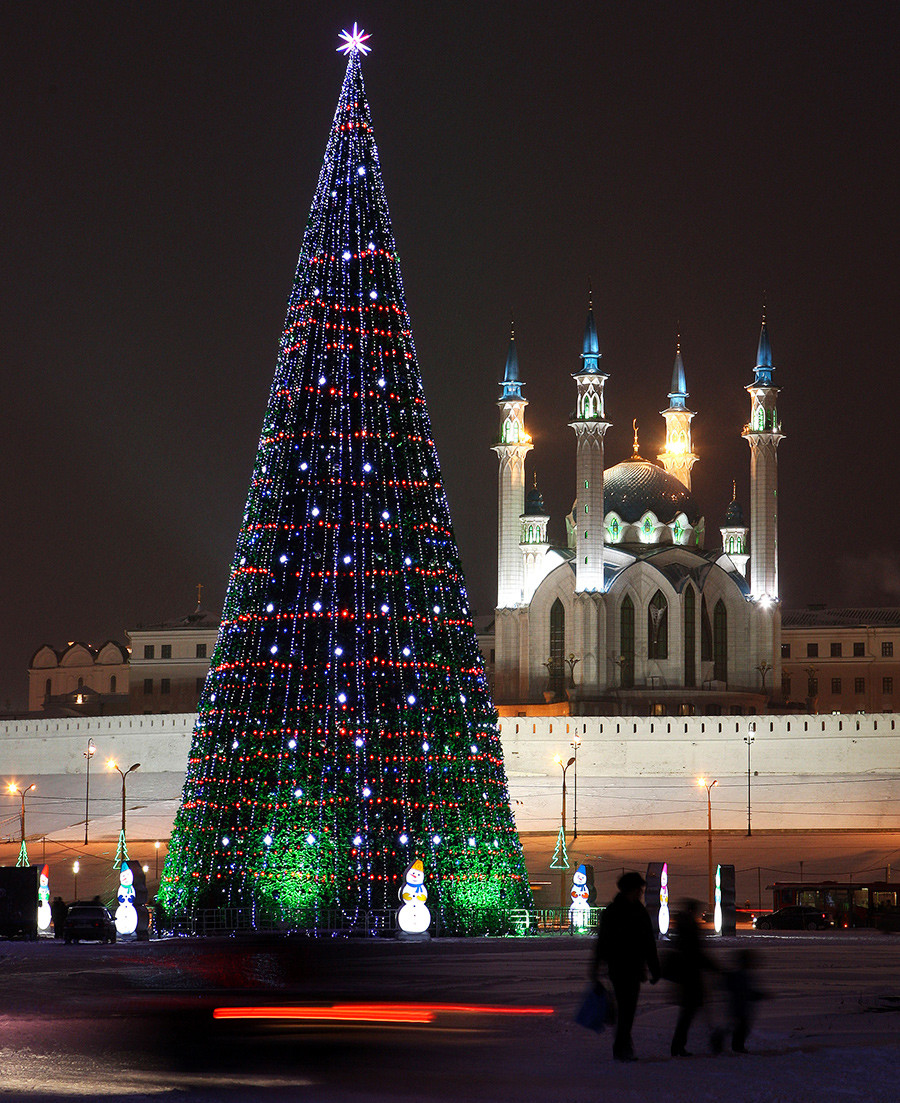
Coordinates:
x,y
596,1010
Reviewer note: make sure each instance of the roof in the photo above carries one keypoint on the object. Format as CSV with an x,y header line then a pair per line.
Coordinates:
x,y
200,618
863,617
636,485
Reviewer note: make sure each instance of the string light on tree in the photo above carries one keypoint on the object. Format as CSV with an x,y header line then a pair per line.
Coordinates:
x,y
346,727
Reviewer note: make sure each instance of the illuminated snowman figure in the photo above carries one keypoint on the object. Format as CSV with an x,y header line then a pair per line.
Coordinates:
x,y
664,899
43,916
126,913
580,909
414,916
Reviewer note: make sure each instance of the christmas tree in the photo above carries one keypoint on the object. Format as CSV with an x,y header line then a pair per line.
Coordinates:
x,y
346,727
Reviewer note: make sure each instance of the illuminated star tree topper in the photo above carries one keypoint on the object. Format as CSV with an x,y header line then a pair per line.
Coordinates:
x,y
354,41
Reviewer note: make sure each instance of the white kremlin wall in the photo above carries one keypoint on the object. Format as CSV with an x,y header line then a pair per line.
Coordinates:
x,y
631,773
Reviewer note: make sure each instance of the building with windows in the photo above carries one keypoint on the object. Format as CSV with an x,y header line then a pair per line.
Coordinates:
x,y
841,660
169,662
635,615
79,680
162,671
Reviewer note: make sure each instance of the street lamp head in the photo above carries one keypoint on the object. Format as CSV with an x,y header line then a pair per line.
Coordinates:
x,y
12,787
111,764
557,758
569,763
134,767
75,866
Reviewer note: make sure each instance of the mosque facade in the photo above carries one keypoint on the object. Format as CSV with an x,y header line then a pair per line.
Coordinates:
x,y
636,615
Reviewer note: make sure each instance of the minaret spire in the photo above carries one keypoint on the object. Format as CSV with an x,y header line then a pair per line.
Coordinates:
x,y
763,434
678,457
590,427
512,447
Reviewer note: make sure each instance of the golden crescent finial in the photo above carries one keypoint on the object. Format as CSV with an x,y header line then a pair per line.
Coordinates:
x,y
634,424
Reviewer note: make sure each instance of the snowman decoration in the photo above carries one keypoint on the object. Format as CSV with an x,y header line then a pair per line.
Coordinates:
x,y
126,913
414,917
43,912
580,909
664,900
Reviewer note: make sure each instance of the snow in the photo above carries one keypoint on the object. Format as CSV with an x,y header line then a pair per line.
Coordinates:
x,y
74,1016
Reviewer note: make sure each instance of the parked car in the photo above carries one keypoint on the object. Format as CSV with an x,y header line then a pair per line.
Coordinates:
x,y
90,923
798,917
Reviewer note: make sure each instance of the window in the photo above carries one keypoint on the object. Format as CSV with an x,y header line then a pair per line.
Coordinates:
x,y
626,642
148,686
887,650
112,683
859,685
836,686
657,708
201,651
812,651
705,633
786,685
812,686
149,651
557,666
48,687
165,686
859,651
658,627
887,685
685,709
785,651
835,651
165,651
690,633
720,642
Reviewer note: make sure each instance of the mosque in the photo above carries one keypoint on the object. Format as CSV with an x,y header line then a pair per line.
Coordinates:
x,y
636,616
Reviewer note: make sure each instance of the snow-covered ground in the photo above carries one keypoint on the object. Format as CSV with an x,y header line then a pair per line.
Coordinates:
x,y
134,1022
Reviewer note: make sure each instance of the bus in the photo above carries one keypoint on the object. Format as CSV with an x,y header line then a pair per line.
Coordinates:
x,y
846,903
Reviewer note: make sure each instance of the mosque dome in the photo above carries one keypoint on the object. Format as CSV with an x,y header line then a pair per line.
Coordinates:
x,y
534,504
636,485
734,515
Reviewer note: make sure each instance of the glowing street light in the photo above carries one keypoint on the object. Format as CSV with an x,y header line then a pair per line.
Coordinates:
x,y
122,849
75,868
14,787
708,786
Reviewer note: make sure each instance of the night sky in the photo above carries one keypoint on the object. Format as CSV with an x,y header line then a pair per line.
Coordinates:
x,y
691,160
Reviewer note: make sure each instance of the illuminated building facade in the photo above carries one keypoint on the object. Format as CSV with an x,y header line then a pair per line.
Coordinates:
x,y
635,615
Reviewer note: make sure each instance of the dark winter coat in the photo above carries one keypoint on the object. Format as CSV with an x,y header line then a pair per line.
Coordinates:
x,y
625,940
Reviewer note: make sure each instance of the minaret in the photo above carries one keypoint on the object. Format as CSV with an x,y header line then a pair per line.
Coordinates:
x,y
678,459
763,434
534,544
513,446
734,534
590,426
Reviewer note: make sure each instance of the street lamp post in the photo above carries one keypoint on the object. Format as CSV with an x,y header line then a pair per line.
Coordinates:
x,y
576,743
708,786
748,739
88,754
22,860
156,871
562,873
122,849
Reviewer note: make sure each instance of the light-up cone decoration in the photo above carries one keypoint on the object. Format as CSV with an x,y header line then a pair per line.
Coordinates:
x,y
346,723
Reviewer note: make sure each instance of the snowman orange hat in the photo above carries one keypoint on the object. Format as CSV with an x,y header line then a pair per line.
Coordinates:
x,y
416,871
